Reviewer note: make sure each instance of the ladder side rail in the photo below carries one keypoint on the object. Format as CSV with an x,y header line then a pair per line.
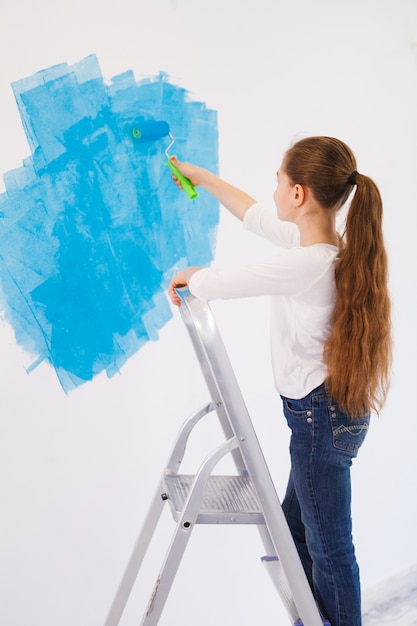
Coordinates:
x,y
177,454
184,527
232,400
195,333
149,524
276,572
136,559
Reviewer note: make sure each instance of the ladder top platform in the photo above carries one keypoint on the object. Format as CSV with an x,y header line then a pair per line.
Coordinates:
x,y
227,499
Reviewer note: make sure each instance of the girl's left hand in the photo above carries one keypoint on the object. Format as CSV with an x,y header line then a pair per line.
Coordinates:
x,y
180,280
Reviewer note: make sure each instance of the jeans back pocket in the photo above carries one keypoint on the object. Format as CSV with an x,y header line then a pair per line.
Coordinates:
x,y
348,434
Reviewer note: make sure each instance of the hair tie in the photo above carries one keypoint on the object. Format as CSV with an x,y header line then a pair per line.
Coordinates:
x,y
352,178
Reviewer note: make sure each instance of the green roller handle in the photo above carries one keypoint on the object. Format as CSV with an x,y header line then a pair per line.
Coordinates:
x,y
186,184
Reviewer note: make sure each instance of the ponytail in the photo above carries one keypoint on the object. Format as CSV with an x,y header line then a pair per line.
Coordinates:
x,y
358,351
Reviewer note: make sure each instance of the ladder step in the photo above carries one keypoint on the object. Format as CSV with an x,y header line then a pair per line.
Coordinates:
x,y
226,500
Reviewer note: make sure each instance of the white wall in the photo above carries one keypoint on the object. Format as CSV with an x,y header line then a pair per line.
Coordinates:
x,y
77,471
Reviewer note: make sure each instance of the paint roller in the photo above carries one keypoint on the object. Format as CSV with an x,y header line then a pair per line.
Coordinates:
x,y
152,130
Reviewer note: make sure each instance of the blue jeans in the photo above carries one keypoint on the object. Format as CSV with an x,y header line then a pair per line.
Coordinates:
x,y
317,503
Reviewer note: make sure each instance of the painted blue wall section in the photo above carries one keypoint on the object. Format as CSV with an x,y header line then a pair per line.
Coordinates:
x,y
91,226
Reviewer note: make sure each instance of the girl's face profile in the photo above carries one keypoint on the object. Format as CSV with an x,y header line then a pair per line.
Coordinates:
x,y
283,197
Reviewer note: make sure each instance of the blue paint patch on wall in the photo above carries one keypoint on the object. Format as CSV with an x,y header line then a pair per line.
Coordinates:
x,y
91,226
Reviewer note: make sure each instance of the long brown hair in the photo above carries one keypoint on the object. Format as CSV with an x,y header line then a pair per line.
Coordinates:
x,y
358,351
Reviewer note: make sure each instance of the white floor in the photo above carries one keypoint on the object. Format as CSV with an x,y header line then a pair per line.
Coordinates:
x,y
393,602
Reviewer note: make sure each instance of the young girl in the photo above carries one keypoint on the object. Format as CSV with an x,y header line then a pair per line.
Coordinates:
x,y
330,336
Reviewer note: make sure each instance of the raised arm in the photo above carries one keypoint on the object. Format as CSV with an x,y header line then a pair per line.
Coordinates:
x,y
233,199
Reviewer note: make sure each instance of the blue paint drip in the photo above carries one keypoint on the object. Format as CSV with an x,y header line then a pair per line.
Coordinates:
x,y
91,225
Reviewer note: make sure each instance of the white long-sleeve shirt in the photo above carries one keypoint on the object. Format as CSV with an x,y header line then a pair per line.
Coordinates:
x,y
301,283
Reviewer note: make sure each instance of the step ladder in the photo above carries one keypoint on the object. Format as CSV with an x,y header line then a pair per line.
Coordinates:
x,y
249,497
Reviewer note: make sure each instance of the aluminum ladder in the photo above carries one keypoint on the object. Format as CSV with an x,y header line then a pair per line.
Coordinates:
x,y
249,497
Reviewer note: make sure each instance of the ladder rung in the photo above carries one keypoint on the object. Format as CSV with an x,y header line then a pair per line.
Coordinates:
x,y
227,499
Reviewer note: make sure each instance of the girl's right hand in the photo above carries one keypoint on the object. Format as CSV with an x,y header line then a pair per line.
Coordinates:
x,y
233,199
190,171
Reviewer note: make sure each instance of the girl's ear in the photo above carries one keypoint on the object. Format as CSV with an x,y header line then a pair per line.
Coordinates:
x,y
298,195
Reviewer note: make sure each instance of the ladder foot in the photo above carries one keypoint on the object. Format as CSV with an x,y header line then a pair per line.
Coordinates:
x,y
300,623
